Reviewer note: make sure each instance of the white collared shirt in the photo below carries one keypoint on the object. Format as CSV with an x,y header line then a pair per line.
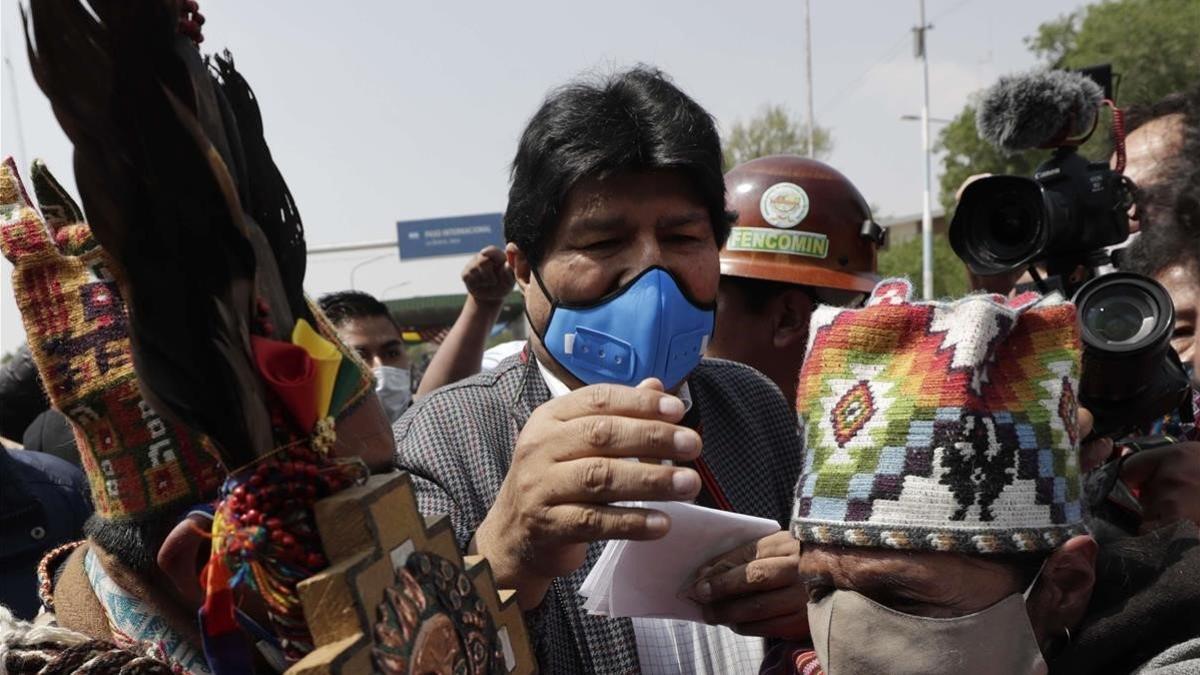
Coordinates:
x,y
559,388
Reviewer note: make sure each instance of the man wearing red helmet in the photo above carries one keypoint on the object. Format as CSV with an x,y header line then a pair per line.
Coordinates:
x,y
803,236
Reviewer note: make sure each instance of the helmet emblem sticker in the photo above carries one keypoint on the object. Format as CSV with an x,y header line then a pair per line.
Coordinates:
x,y
784,205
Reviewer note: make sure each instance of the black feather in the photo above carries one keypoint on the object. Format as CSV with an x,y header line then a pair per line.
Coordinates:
x,y
160,199
266,197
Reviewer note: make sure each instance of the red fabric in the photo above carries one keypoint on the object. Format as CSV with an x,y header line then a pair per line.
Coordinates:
x,y
710,481
217,613
807,664
789,658
291,374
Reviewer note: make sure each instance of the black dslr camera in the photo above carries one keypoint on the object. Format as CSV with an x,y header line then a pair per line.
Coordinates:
x,y
1062,220
1067,214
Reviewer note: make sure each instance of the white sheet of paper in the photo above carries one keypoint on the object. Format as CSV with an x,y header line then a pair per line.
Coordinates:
x,y
643,578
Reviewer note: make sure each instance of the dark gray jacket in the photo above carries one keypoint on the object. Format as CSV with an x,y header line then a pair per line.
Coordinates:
x,y
457,443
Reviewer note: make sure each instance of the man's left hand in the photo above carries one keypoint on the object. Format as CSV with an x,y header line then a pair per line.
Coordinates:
x,y
756,589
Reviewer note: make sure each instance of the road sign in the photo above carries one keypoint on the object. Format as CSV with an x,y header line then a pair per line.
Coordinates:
x,y
449,236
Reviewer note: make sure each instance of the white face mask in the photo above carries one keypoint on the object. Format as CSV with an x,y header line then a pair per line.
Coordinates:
x,y
394,387
854,634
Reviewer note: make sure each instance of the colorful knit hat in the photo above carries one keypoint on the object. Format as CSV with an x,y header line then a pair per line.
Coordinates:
x,y
137,462
944,426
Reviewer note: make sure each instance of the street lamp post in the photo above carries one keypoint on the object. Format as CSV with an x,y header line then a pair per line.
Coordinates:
x,y
384,294
932,120
927,206
808,80
364,263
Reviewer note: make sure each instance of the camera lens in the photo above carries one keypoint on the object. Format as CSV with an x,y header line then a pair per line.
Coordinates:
x,y
1130,373
1121,318
1123,312
999,224
1011,227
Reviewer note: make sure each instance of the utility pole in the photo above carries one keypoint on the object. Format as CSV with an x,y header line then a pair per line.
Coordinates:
x,y
926,206
808,79
23,160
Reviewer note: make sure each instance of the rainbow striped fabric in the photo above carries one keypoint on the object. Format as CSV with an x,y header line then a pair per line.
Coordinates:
x,y
946,426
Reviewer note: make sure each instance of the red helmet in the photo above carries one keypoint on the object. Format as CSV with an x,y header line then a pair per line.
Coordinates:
x,y
799,221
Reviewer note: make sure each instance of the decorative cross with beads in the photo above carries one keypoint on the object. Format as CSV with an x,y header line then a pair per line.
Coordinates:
x,y
398,597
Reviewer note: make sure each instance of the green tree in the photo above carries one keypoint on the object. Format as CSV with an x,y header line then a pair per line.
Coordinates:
x,y
904,260
1153,45
965,154
773,131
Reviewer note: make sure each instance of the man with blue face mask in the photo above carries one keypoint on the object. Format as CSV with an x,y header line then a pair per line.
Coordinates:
x,y
615,218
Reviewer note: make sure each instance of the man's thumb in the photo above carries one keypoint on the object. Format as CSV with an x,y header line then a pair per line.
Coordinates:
x,y
651,383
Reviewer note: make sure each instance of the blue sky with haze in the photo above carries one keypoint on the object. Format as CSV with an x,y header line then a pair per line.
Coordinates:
x,y
384,111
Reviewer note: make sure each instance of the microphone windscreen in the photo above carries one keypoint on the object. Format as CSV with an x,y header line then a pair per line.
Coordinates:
x,y
1027,111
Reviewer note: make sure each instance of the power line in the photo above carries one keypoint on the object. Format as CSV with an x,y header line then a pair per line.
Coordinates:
x,y
16,103
953,8
857,82
886,57
808,78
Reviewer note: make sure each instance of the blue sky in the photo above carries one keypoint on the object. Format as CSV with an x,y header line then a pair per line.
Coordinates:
x,y
384,111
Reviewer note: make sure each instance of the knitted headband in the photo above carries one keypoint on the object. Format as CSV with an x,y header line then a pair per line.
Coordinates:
x,y
137,462
944,426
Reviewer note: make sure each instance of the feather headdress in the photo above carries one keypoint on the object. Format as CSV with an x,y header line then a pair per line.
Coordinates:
x,y
206,246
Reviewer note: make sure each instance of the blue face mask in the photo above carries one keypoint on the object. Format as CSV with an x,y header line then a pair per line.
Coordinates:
x,y
647,328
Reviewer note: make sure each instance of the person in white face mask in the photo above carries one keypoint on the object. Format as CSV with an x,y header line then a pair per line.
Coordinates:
x,y
940,507
365,325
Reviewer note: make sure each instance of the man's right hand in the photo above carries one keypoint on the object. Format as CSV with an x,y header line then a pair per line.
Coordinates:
x,y
569,465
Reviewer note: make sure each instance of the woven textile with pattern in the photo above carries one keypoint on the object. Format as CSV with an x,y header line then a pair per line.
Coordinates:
x,y
946,426
137,461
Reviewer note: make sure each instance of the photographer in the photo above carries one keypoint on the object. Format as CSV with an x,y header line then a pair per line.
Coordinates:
x,y
1056,228
1160,154
1170,254
1168,249
1162,142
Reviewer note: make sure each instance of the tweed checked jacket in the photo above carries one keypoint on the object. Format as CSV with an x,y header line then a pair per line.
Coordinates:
x,y
457,444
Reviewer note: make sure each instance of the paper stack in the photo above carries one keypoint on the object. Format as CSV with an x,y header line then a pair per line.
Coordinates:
x,y
645,578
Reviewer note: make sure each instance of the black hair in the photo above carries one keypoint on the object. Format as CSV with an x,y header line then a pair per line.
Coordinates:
x,y
633,120
1176,103
1172,234
343,306
1187,206
134,543
1169,242
1174,172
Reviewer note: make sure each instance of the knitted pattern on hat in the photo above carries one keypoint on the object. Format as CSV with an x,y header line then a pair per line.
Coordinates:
x,y
944,426
136,461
